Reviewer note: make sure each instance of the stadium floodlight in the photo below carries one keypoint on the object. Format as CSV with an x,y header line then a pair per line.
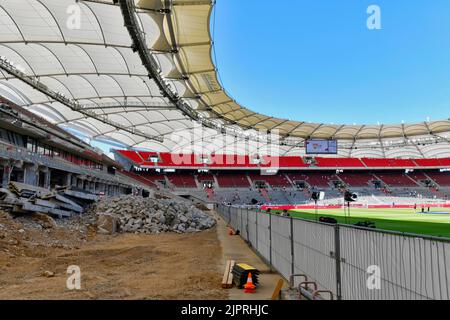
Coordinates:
x,y
349,197
316,196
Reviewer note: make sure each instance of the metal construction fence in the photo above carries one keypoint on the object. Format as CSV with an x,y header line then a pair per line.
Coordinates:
x,y
353,263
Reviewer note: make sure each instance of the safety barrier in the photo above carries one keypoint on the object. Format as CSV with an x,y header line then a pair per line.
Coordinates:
x,y
349,262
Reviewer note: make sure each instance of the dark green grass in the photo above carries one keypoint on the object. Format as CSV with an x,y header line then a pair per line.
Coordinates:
x,y
401,220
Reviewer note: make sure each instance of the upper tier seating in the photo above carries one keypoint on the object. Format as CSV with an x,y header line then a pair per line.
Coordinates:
x,y
287,162
283,162
231,161
339,163
443,162
389,163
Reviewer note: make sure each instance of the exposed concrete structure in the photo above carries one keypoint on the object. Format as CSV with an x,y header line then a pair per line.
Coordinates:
x,y
36,153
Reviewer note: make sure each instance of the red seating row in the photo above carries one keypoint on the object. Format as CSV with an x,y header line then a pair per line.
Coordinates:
x,y
153,177
320,179
283,162
441,178
205,177
418,176
389,163
181,180
232,180
241,161
339,163
356,179
444,162
396,179
277,181
317,179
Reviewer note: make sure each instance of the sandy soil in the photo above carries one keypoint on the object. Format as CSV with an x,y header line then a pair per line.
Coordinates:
x,y
167,266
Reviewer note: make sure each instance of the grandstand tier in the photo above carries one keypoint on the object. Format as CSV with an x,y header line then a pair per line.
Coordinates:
x,y
230,161
293,187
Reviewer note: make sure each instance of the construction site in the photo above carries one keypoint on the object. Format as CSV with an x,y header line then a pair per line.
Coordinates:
x,y
124,253
127,172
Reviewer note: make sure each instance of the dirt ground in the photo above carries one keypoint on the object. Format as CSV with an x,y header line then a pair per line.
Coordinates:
x,y
34,261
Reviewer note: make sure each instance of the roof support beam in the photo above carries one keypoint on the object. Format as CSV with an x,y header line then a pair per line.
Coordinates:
x,y
75,106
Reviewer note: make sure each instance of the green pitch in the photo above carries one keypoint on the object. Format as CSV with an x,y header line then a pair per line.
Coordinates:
x,y
402,220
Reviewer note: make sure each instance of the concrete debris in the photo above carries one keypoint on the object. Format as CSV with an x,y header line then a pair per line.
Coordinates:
x,y
60,202
151,215
48,274
107,223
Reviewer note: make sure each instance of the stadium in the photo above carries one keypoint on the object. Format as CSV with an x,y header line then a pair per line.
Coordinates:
x,y
122,99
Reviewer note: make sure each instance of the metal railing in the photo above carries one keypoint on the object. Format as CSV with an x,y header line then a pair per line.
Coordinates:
x,y
353,263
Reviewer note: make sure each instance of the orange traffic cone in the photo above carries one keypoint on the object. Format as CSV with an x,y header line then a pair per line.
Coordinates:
x,y
249,286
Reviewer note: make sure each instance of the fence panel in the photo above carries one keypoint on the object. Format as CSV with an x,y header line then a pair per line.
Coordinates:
x,y
281,245
314,250
252,230
237,221
264,235
233,219
409,268
244,226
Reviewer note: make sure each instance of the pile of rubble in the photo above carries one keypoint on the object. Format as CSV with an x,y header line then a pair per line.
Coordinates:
x,y
130,214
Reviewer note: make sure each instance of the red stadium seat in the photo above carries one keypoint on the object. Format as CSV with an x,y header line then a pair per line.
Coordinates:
x,y
389,163
396,179
339,163
278,180
356,179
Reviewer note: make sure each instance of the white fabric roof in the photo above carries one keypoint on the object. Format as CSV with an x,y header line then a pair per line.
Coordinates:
x,y
98,67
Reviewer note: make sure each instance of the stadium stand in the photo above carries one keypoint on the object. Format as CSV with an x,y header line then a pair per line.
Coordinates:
x,y
230,161
441,178
232,180
356,179
389,163
419,177
182,180
283,162
396,179
278,180
314,179
339,163
205,177
368,176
